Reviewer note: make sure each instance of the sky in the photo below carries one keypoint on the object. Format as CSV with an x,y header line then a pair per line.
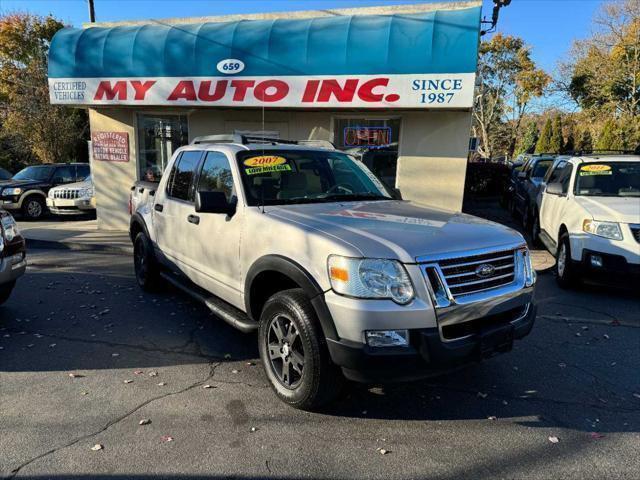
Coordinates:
x,y
549,26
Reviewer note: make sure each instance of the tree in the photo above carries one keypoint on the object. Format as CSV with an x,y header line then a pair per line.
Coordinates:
x,y
544,143
527,143
608,140
570,144
509,80
556,142
585,144
51,132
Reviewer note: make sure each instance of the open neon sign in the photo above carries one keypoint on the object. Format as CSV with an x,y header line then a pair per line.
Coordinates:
x,y
367,137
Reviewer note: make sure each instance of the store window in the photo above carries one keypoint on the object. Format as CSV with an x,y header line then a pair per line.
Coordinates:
x,y
374,141
158,137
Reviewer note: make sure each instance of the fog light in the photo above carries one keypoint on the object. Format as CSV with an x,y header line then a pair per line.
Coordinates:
x,y
387,338
596,261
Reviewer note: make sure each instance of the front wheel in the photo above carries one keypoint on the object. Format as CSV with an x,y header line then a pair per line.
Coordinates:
x,y
145,264
294,353
33,207
535,229
5,291
565,269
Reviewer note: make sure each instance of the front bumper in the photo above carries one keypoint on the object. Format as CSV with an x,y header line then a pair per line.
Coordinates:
x,y
11,203
12,266
611,265
78,206
428,355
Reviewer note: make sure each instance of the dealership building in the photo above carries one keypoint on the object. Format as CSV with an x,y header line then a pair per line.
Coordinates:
x,y
392,85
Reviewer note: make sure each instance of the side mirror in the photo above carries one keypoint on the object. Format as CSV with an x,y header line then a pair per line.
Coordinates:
x,y
214,202
554,189
522,175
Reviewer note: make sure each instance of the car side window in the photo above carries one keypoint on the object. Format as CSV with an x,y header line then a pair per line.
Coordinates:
x,y
216,175
181,179
64,174
565,177
555,173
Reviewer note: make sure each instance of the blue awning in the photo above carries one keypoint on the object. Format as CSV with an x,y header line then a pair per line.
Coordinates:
x,y
444,41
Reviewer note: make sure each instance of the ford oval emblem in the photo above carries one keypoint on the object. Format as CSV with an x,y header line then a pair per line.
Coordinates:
x,y
230,66
485,270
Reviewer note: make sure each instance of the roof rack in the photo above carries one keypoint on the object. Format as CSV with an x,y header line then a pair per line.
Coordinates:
x,y
246,139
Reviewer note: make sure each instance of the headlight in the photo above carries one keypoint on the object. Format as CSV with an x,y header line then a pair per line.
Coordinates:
x,y
603,229
50,194
10,228
370,278
529,272
12,191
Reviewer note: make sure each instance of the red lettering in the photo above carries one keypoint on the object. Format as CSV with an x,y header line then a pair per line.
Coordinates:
x,y
184,91
105,89
342,94
141,88
241,87
365,92
204,92
281,90
310,90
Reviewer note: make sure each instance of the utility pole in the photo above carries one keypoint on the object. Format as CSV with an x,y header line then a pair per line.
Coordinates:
x,y
92,12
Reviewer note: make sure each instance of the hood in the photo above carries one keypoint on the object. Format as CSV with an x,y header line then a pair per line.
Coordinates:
x,y
20,183
399,229
74,186
613,209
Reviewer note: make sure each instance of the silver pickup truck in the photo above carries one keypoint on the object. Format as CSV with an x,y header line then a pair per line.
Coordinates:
x,y
339,278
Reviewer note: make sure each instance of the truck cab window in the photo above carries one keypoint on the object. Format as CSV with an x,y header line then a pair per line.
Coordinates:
x,y
180,184
216,175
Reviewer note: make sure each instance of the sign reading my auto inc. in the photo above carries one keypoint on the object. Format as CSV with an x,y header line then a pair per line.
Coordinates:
x,y
405,60
110,146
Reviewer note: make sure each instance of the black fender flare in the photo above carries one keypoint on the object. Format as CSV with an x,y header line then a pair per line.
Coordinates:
x,y
136,219
299,275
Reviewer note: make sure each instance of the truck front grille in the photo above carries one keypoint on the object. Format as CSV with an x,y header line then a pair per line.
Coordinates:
x,y
66,194
635,230
477,273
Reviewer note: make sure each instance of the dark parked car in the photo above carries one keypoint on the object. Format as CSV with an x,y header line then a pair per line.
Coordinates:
x,y
528,182
13,262
26,192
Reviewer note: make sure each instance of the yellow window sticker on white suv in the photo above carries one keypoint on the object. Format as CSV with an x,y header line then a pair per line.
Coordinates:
x,y
595,169
266,164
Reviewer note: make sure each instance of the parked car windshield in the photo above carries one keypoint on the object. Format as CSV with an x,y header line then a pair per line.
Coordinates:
x,y
4,174
608,179
37,173
280,177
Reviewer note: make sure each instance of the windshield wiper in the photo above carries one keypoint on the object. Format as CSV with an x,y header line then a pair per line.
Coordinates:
x,y
354,196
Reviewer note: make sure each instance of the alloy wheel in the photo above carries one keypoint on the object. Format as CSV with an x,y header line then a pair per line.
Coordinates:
x,y
286,351
34,209
562,259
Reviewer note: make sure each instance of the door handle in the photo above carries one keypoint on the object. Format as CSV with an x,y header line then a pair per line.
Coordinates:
x,y
194,219
158,207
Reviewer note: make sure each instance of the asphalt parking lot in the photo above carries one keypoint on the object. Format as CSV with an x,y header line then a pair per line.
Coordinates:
x,y
564,404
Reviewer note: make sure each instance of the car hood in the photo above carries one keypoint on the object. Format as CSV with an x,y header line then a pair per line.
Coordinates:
x,y
399,229
73,186
20,183
616,209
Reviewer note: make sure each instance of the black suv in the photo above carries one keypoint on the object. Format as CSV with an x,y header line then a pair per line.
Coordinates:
x,y
26,192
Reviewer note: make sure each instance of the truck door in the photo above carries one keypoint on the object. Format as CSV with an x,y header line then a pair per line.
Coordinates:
x,y
553,208
215,240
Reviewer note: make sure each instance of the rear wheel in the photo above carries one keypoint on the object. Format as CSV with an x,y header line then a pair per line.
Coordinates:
x,y
294,352
145,264
535,229
33,207
5,291
565,269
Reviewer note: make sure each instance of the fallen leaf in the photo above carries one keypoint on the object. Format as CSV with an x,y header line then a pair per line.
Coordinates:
x,y
554,439
166,438
208,386
382,451
153,374
128,381
596,435
482,395
492,418
144,421
253,429
161,384
227,356
637,395
138,372
76,375
97,447
115,354
234,371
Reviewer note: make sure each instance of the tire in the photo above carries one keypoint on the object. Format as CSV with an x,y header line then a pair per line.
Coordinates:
x,y
145,264
5,291
535,229
294,352
565,269
33,207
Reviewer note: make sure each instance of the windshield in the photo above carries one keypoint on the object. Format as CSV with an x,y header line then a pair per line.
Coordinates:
x,y
608,179
540,169
34,173
281,177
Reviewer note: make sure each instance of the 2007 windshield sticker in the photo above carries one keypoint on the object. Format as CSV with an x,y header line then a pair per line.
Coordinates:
x,y
266,164
595,169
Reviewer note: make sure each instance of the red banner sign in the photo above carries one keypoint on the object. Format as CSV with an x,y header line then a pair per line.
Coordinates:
x,y
110,146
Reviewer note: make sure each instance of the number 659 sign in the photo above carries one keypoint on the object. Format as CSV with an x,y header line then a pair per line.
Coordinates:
x,y
230,66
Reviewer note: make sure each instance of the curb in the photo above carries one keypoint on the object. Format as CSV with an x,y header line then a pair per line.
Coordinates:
x,y
76,247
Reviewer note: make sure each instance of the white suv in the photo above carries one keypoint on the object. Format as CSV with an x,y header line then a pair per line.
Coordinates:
x,y
590,216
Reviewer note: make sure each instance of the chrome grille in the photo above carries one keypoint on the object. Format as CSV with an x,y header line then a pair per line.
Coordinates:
x,y
66,194
472,274
635,230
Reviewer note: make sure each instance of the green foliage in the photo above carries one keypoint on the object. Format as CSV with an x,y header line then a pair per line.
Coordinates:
x,y
609,138
585,144
527,143
544,143
556,142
